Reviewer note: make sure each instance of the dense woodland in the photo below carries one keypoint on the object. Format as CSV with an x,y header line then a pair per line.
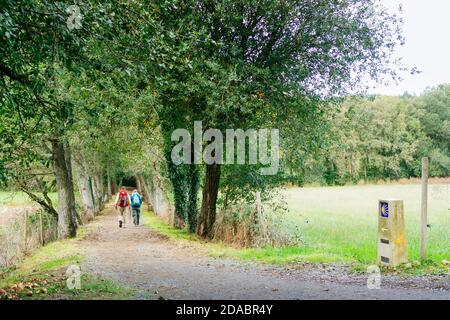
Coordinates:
x,y
89,104
380,138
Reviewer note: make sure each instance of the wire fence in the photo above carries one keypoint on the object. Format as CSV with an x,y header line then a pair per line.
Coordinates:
x,y
27,231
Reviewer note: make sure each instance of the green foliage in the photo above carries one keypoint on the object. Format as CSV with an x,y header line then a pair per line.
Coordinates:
x,y
382,138
253,64
435,121
42,276
115,89
36,46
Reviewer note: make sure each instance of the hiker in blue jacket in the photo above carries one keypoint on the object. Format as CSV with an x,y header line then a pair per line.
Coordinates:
x,y
136,203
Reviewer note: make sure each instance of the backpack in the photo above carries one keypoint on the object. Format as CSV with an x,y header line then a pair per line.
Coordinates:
x,y
135,200
123,199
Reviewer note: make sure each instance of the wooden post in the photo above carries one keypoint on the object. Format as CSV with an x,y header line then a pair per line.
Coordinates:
x,y
41,228
260,215
258,204
25,230
424,211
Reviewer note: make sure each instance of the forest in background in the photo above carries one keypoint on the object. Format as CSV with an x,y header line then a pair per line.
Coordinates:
x,y
379,138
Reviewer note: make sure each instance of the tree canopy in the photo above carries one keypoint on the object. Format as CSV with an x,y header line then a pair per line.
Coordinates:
x,y
101,98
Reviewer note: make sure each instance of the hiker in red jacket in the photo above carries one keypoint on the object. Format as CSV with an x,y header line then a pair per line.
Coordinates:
x,y
121,204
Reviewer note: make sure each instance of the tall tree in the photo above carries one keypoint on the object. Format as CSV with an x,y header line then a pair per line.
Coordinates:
x,y
269,56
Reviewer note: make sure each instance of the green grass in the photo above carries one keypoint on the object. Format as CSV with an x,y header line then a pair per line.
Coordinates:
x,y
339,225
43,275
159,225
219,249
9,198
282,255
343,220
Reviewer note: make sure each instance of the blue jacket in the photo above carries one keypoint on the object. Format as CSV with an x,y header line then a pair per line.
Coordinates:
x,y
133,200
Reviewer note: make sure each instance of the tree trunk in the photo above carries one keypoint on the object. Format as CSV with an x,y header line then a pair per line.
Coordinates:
x,y
156,196
84,187
210,191
66,198
144,189
101,188
86,196
114,188
94,195
98,192
68,158
194,182
109,188
139,186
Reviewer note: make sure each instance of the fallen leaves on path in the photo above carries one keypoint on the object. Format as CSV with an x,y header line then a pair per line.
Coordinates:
x,y
29,288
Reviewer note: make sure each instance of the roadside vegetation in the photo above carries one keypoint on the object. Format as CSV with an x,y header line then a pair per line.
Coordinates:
x,y
42,275
343,229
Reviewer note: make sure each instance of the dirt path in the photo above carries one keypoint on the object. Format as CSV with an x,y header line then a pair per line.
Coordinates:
x,y
139,258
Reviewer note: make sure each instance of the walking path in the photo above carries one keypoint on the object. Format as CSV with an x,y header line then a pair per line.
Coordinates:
x,y
158,267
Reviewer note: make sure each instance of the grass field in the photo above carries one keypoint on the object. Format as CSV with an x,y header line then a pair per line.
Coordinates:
x,y
339,224
342,221
8,198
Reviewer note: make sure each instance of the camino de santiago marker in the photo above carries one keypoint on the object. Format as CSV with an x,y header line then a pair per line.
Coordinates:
x,y
392,248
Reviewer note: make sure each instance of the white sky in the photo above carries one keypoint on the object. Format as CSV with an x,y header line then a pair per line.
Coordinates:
x,y
427,32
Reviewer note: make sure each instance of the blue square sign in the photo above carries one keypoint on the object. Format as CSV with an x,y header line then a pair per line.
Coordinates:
x,y
384,209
